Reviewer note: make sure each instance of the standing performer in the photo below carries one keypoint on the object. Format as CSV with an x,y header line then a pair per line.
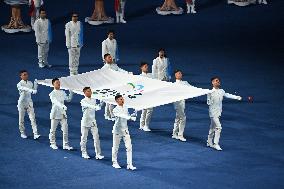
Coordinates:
x,y
161,68
88,122
25,103
16,23
109,46
58,115
111,65
190,4
43,36
179,106
169,7
74,42
119,6
34,10
120,131
146,113
214,100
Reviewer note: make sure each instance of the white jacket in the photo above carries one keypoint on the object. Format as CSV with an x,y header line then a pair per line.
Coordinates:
x,y
89,108
58,110
121,116
214,100
72,33
26,88
110,47
160,68
42,30
180,104
114,67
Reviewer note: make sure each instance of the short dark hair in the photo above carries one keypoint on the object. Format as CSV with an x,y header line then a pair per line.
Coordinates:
x,y
22,71
176,71
42,9
53,80
117,97
107,54
162,49
215,77
110,31
143,64
86,88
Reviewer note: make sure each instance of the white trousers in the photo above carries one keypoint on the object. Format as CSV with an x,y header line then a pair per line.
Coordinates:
x,y
180,122
84,138
146,117
127,141
215,130
109,110
43,49
64,129
22,111
74,55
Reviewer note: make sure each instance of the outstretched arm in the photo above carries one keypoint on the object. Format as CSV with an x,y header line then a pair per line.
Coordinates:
x,y
228,95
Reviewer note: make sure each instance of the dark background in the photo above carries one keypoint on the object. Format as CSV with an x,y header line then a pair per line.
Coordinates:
x,y
242,45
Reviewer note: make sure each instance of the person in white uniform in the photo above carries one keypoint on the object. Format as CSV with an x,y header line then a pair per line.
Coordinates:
x,y
119,10
109,64
109,46
25,103
190,4
35,10
74,42
88,122
180,120
214,101
120,131
161,68
43,36
146,113
58,115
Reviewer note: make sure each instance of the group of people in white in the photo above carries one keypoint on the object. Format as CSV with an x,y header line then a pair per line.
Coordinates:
x,y
161,70
118,114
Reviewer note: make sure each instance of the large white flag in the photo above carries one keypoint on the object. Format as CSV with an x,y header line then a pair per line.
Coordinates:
x,y
139,92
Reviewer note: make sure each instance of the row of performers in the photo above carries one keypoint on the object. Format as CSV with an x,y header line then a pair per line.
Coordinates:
x,y
99,15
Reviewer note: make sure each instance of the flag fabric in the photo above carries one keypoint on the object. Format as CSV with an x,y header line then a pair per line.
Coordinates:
x,y
139,92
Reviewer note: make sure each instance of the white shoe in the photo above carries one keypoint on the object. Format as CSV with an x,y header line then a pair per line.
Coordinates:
x,y
85,156
193,11
217,147
141,128
264,2
175,136
116,165
53,146
24,136
209,144
99,157
131,167
122,21
41,65
36,136
67,147
147,129
181,138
